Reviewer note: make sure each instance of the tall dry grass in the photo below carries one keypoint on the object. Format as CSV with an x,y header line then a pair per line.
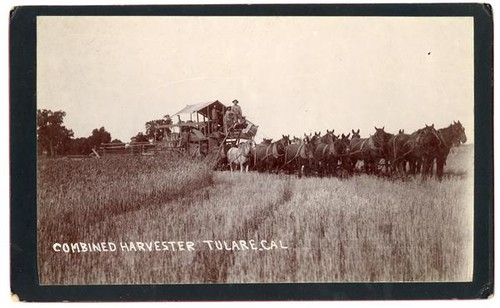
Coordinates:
x,y
357,230
76,198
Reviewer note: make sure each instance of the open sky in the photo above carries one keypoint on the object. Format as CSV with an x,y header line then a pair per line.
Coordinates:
x,y
292,75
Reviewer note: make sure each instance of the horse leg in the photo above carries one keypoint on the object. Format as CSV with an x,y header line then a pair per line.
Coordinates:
x,y
395,168
418,166
319,168
413,166
259,166
353,162
439,168
278,166
367,164
427,167
335,165
400,168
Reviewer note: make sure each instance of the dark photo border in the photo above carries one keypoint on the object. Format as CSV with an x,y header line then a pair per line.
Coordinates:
x,y
23,246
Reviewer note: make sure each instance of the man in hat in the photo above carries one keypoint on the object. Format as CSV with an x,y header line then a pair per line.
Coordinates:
x,y
237,111
216,118
229,119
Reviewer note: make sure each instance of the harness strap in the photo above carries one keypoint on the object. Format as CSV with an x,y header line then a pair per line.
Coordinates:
x,y
324,149
296,155
275,151
261,159
394,146
360,148
408,152
441,139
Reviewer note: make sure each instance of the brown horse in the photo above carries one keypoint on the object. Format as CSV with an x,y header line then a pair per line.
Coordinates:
x,y
299,157
450,136
329,151
357,145
378,150
370,150
257,164
419,150
322,147
270,155
343,151
395,153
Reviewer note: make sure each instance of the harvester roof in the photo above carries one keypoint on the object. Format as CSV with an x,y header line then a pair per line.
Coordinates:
x,y
201,108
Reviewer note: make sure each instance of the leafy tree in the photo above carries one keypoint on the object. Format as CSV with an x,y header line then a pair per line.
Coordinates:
x,y
161,132
79,146
140,137
52,136
116,141
99,136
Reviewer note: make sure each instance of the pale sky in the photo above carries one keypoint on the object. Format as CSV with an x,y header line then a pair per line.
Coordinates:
x,y
291,75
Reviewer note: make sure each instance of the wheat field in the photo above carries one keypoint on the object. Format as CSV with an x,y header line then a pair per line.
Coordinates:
x,y
176,221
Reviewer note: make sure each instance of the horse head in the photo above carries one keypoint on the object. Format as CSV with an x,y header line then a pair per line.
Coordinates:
x,y
283,143
459,133
285,139
428,136
328,137
266,141
381,137
314,141
247,147
428,129
343,145
355,134
309,146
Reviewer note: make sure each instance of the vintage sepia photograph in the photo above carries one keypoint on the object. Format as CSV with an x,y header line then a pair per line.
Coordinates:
x,y
186,150
230,149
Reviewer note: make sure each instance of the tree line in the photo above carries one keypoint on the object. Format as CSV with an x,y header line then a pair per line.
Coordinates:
x,y
55,139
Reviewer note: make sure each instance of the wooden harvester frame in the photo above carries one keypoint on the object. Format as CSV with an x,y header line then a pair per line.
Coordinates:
x,y
192,132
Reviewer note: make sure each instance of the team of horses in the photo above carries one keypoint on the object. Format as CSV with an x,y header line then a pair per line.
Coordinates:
x,y
341,155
